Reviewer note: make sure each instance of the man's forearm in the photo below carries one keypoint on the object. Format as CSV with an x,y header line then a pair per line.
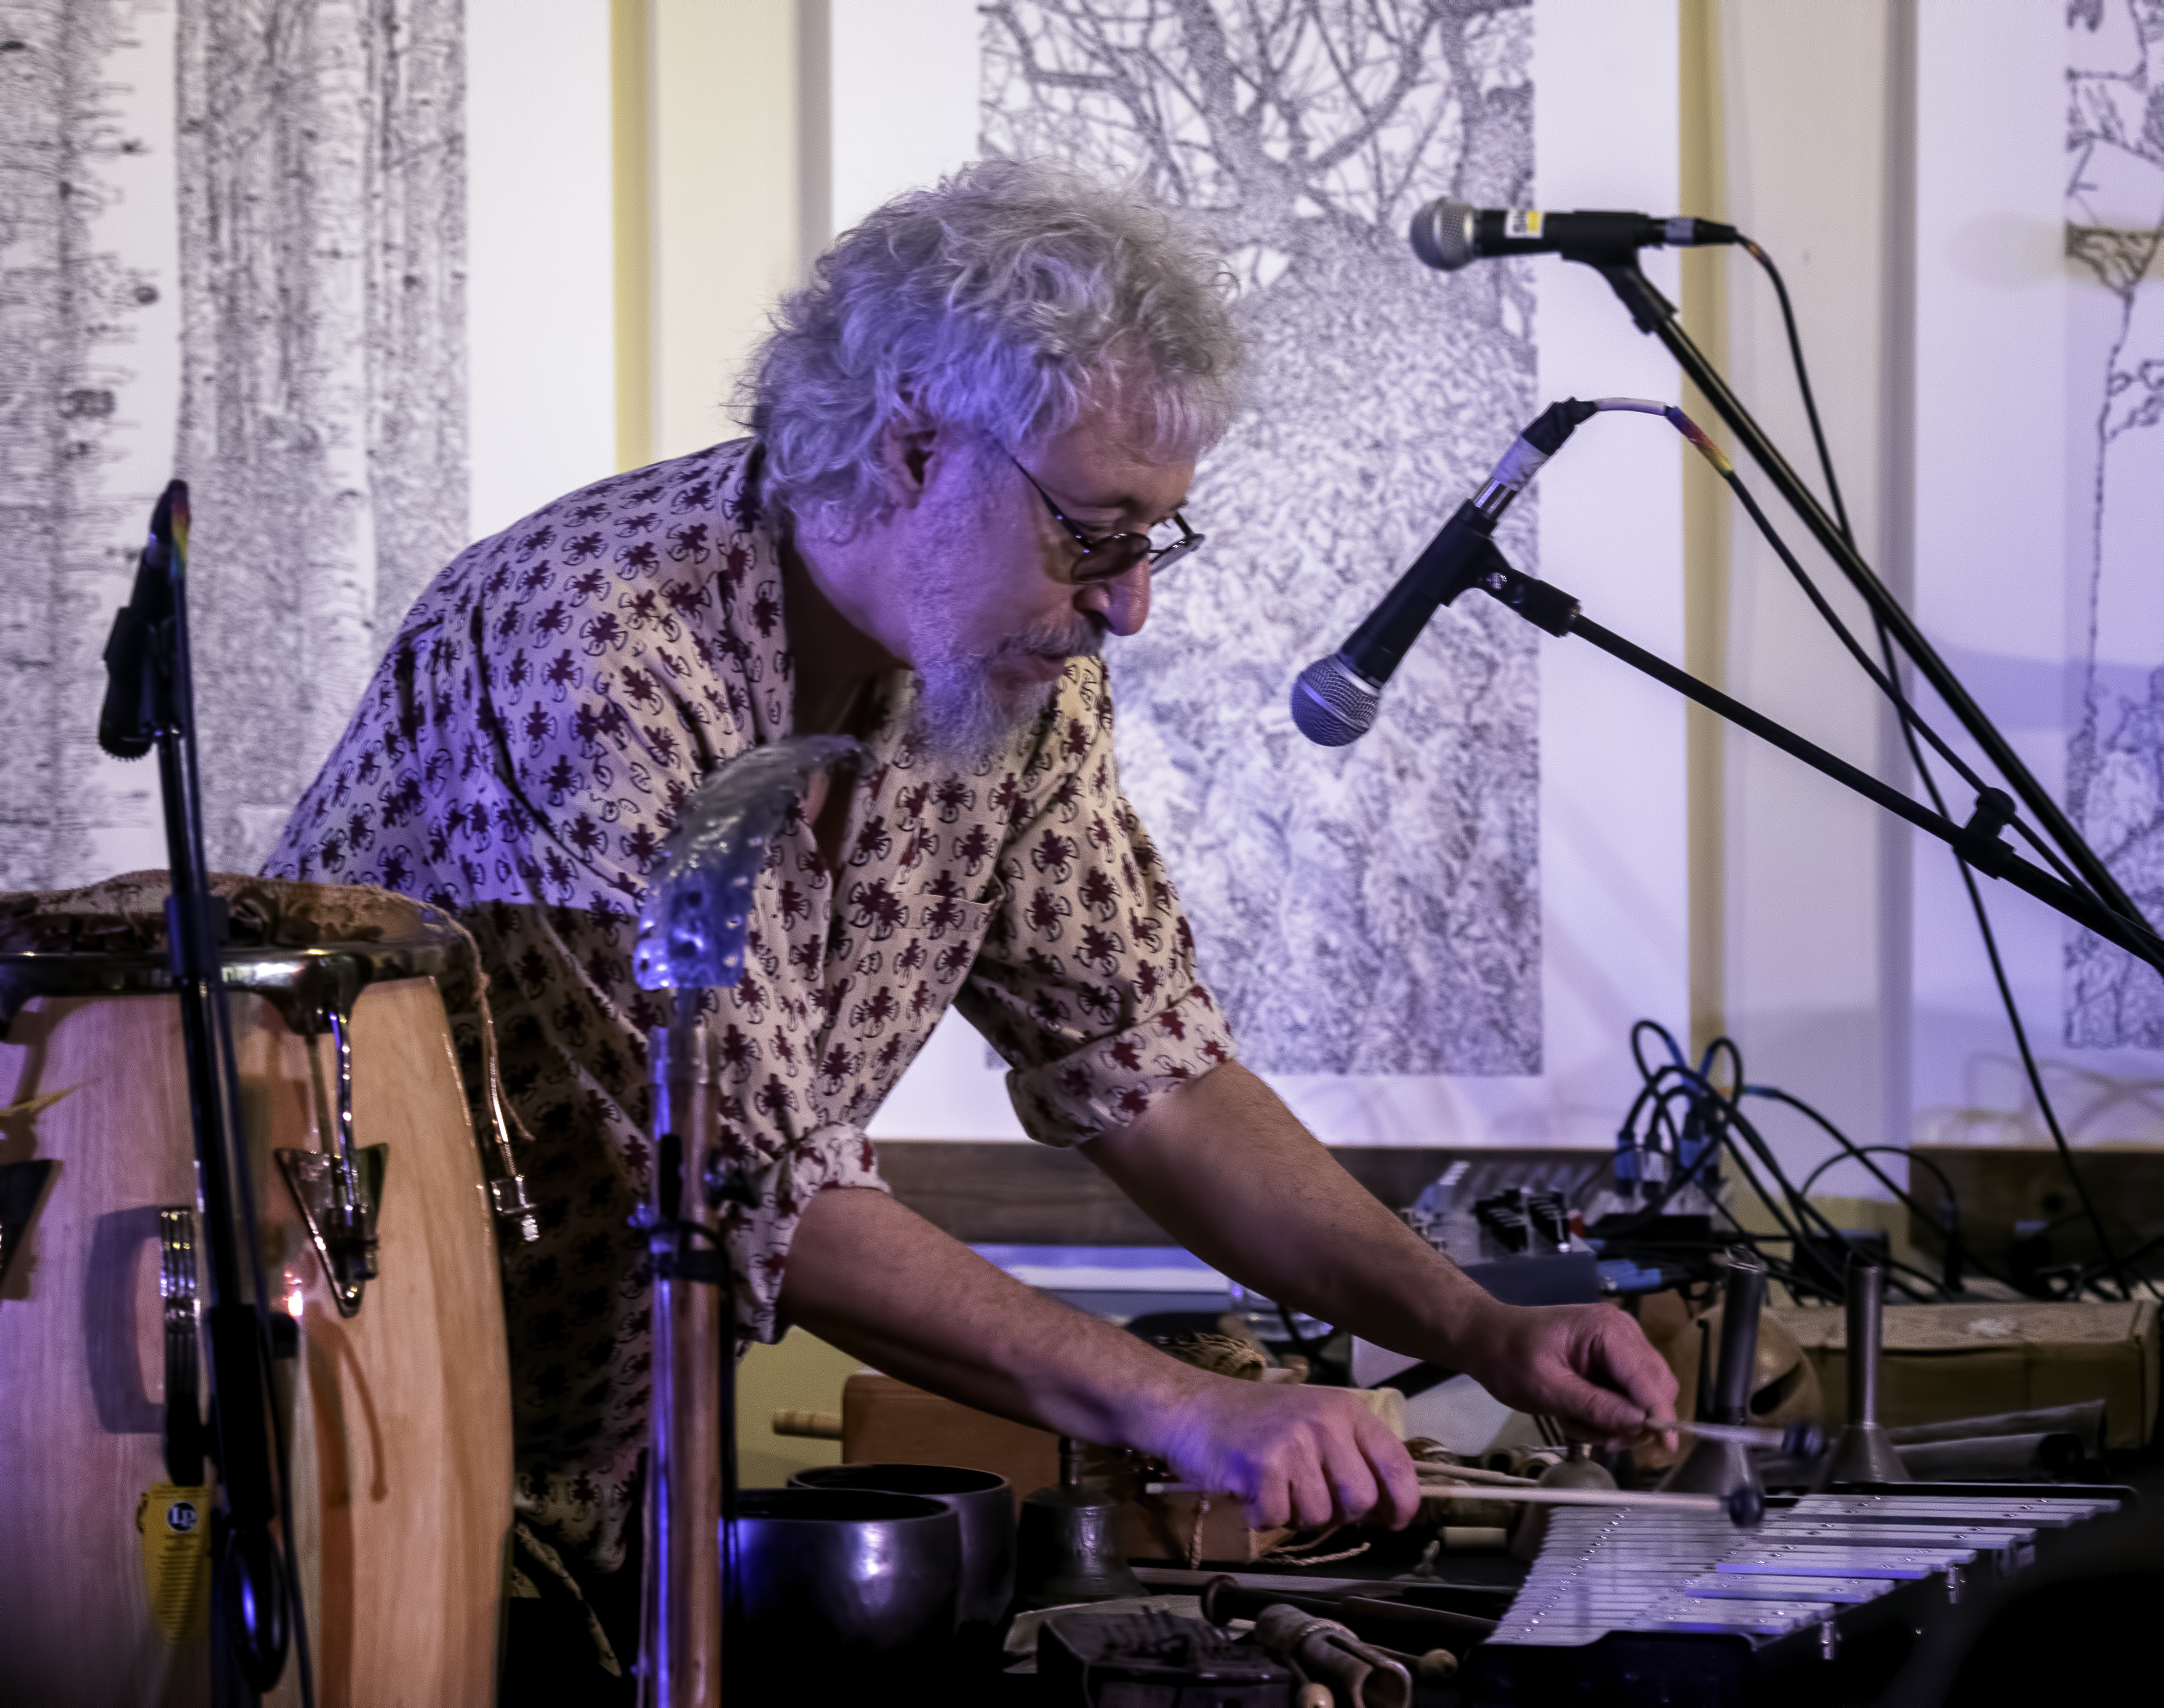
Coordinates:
x,y
1224,1168
879,1281
876,1280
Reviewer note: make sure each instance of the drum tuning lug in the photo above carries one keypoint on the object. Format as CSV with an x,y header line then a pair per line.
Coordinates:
x,y
506,1197
339,1205
179,1292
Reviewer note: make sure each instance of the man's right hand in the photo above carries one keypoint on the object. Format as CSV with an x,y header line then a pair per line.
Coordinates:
x,y
1305,1457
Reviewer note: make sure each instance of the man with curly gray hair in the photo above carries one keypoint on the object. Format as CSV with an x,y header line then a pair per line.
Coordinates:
x,y
973,434
997,311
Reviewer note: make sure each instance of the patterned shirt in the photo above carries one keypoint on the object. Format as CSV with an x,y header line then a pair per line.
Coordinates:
x,y
546,707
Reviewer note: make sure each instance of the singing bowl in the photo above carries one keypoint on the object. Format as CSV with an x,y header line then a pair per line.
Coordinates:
x,y
983,1505
836,1585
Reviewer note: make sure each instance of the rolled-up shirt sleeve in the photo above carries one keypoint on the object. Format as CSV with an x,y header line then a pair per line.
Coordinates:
x,y
1086,984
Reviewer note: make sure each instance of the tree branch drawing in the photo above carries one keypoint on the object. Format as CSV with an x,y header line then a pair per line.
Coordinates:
x,y
1299,135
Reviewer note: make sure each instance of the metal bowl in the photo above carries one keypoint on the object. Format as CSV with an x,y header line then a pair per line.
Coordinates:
x,y
836,1588
982,1503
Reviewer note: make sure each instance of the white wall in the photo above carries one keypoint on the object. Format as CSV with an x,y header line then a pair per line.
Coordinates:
x,y
727,128
541,305
1808,105
904,98
1615,866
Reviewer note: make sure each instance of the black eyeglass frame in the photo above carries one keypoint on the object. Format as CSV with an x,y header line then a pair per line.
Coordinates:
x,y
1159,558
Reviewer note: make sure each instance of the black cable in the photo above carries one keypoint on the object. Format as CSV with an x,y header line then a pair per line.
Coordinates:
x,y
1830,1238
1298,1341
1888,684
1857,1153
1717,1112
1851,1151
1729,1128
1862,1152
1957,1252
1912,721
2012,1010
1911,725
1656,1090
2134,1256
1803,385
1849,1148
1734,1060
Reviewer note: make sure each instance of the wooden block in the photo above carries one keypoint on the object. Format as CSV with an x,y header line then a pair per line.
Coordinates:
x,y
887,1421
1162,1527
1946,1361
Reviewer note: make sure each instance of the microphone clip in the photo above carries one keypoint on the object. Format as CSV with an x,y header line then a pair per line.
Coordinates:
x,y
1543,606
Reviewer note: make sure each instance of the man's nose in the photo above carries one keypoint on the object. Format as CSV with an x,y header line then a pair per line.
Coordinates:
x,y
1123,601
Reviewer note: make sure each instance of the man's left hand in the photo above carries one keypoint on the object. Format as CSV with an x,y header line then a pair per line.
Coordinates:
x,y
1587,1366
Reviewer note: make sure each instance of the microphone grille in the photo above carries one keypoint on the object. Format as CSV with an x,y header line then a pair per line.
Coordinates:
x,y
1442,235
1332,704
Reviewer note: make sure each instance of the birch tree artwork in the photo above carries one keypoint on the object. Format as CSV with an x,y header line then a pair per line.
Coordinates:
x,y
1373,910
289,175
2115,751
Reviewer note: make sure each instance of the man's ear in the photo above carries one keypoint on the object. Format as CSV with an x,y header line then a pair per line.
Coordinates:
x,y
909,441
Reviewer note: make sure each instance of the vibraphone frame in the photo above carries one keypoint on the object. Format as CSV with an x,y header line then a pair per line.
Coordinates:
x,y
1857,1647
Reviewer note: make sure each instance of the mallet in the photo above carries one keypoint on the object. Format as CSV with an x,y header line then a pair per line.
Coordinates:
x,y
1805,1440
1744,1506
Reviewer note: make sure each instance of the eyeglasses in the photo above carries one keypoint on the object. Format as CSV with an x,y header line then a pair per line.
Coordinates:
x,y
1107,557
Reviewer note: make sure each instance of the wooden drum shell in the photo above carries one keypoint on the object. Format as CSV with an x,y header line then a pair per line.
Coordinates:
x,y
398,1418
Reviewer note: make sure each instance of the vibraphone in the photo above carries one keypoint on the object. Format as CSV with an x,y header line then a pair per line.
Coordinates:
x,y
1639,1607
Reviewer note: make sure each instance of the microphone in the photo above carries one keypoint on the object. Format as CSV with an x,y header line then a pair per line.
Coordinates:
x,y
1448,235
1336,698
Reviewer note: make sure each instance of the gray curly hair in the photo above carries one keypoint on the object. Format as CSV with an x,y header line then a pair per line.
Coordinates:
x,y
1006,300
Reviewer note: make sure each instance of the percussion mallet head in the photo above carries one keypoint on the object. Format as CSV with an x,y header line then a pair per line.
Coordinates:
x,y
1804,1440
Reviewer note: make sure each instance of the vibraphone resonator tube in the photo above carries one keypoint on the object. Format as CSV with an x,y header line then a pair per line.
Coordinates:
x,y
1717,1464
1865,1452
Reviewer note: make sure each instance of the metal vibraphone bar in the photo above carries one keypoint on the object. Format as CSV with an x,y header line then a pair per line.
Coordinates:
x,y
1677,1608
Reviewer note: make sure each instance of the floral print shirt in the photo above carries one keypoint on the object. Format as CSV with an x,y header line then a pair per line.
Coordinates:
x,y
547,705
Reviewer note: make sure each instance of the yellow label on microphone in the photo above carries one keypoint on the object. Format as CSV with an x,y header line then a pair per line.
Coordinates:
x,y
174,1523
1523,222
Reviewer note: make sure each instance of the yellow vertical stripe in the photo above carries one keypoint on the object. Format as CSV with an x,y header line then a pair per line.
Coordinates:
x,y
1704,191
631,90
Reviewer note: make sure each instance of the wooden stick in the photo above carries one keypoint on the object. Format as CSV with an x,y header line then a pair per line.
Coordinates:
x,y
1533,1495
1543,1495
1471,1473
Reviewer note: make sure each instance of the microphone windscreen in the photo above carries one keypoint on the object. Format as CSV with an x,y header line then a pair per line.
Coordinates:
x,y
1332,704
1442,235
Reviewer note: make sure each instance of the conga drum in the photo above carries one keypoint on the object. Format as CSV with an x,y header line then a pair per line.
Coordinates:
x,y
395,1394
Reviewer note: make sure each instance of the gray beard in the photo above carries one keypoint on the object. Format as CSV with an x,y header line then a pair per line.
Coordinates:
x,y
962,717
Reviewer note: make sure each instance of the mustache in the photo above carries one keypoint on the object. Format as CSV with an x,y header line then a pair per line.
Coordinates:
x,y
1080,636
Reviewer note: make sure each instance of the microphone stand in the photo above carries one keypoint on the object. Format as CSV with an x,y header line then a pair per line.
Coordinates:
x,y
694,922
149,704
691,1459
1978,842
1653,313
